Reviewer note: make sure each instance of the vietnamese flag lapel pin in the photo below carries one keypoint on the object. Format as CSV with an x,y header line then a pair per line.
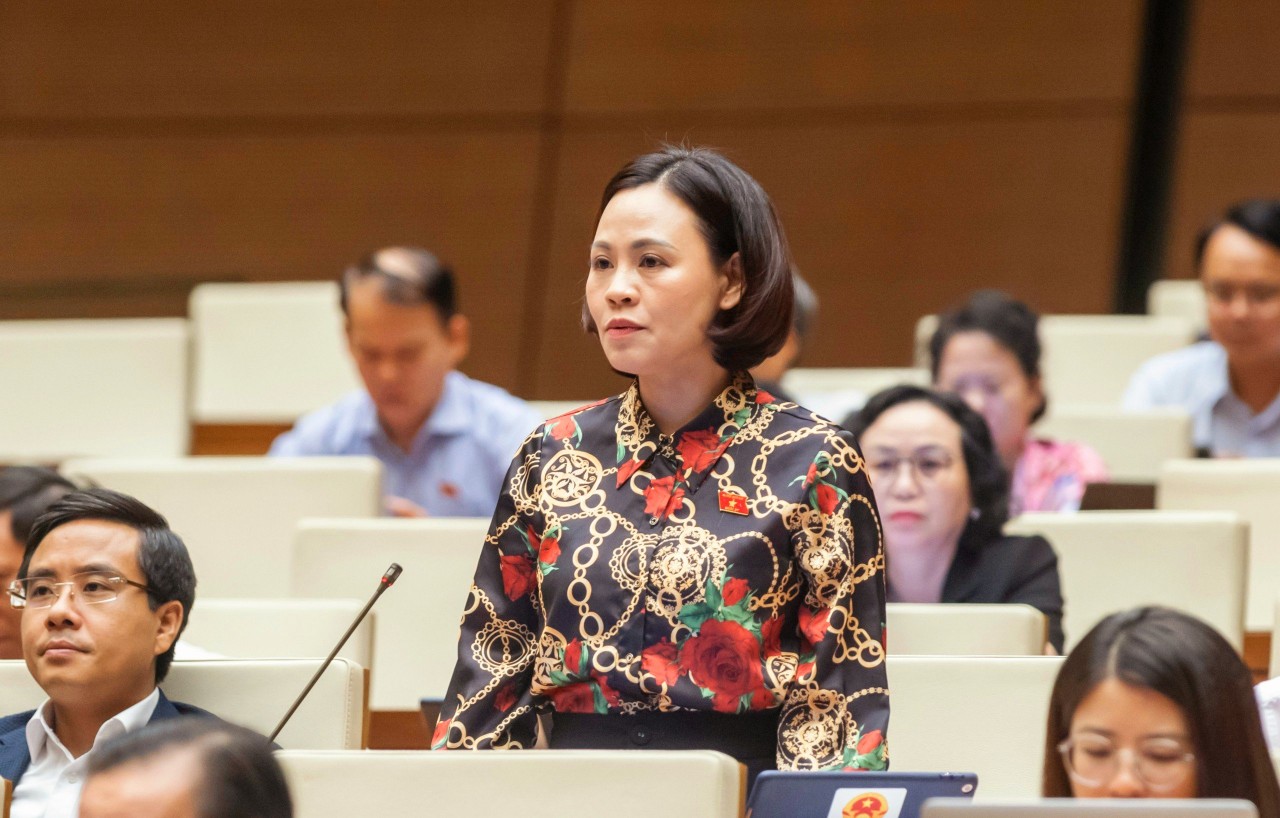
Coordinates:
x,y
731,502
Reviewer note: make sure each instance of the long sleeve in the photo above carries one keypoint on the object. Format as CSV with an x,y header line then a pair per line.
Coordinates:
x,y
836,710
489,703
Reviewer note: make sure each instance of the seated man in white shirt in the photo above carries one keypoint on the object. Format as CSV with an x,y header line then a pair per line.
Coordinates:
x,y
445,441
105,588
1231,384
201,768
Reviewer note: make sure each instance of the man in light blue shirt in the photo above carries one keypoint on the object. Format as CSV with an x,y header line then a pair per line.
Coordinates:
x,y
1231,384
445,441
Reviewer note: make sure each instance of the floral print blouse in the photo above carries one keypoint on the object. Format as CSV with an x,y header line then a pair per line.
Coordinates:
x,y
733,566
1051,476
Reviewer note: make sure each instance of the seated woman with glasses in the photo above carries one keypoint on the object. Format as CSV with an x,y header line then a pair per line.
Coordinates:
x,y
1154,703
943,498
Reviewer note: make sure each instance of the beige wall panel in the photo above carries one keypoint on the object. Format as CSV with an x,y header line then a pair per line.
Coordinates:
x,y
114,58
641,55
888,222
1233,49
1222,158
122,212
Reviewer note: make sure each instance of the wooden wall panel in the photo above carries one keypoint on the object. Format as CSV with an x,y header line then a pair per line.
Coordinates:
x,y
168,212
1230,127
641,55
888,222
1223,157
150,61
1233,51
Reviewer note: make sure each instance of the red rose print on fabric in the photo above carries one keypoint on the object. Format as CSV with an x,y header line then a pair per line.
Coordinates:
x,y
547,549
575,698
763,397
827,498
626,469
771,636
660,500
563,427
734,590
661,662
814,626
440,735
700,450
517,575
506,698
869,742
723,657
573,658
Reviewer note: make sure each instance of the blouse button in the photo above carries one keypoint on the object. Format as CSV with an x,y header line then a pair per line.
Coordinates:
x,y
640,735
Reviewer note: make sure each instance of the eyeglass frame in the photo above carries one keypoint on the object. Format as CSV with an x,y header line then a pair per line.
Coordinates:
x,y
18,595
1065,746
918,474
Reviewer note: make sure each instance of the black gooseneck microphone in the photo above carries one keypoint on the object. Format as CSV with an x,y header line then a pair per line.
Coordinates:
x,y
388,579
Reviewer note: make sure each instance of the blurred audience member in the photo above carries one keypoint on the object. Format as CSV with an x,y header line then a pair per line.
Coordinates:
x,y
25,493
189,767
942,494
444,440
988,352
1268,695
804,315
105,589
1154,703
1230,384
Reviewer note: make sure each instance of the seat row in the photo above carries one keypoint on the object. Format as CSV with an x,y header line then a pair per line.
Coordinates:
x,y
265,353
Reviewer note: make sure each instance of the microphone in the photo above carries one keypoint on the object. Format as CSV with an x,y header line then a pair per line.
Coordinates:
x,y
388,579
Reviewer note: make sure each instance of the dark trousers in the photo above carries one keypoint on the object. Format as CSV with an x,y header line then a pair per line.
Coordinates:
x,y
751,738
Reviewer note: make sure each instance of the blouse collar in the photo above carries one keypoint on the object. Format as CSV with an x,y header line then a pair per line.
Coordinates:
x,y
696,447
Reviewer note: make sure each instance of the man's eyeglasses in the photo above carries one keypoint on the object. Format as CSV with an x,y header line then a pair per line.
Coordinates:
x,y
1162,764
90,588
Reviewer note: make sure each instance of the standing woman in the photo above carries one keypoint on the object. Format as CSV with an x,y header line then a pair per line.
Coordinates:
x,y
692,563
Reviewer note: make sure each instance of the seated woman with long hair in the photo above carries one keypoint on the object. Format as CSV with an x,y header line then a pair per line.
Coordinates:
x,y
1154,703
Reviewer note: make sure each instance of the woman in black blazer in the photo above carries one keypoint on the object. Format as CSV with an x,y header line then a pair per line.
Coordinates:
x,y
943,499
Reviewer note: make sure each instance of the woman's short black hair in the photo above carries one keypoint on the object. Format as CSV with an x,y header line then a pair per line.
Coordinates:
x,y
735,215
988,480
1011,323
1259,218
162,556
240,777
1192,665
409,275
25,492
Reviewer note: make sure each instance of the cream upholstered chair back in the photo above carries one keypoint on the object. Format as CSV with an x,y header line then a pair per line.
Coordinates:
x,y
280,628
1113,560
255,693
237,514
1182,298
868,380
1250,488
103,387
1275,645
1134,444
563,783
1090,358
972,714
416,633
267,352
554,408
943,629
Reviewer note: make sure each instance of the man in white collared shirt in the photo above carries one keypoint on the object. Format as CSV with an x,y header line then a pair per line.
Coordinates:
x,y
105,587
1231,384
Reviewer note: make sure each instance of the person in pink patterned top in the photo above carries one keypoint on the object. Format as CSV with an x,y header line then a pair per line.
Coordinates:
x,y
988,352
